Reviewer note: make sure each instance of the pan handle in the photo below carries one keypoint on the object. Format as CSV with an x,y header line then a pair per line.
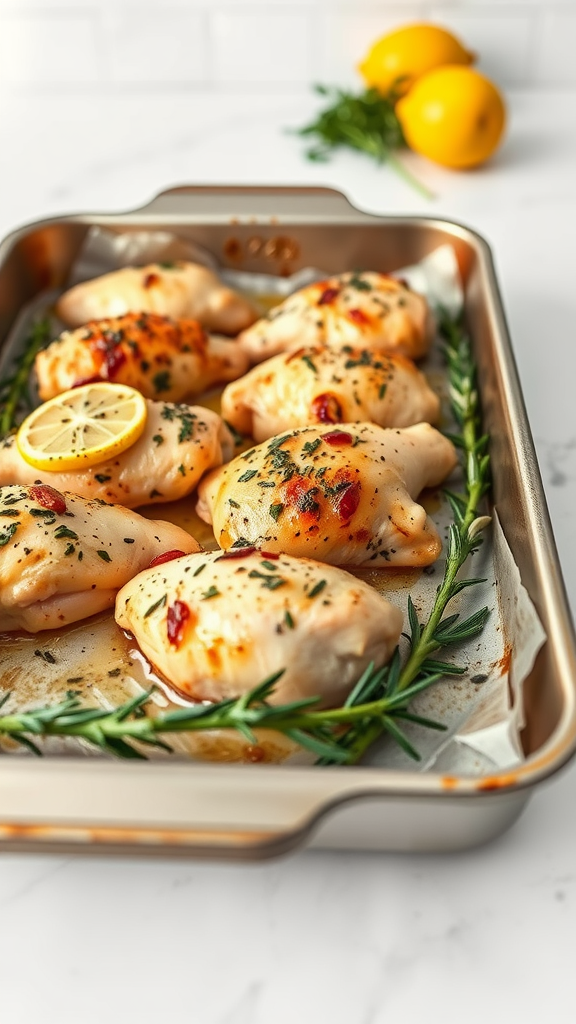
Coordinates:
x,y
250,204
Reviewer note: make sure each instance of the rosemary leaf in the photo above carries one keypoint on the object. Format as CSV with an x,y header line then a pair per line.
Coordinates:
x,y
14,389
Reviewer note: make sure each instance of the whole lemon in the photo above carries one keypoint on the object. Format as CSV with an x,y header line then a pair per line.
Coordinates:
x,y
399,58
454,116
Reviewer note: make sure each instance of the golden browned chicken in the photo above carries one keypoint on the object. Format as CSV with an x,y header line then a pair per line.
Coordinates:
x,y
63,558
215,625
367,309
162,358
179,289
329,385
344,495
179,444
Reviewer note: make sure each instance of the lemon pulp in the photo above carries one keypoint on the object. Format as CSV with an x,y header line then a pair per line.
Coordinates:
x,y
82,427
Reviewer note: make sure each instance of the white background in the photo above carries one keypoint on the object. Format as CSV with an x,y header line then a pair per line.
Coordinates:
x,y
102,105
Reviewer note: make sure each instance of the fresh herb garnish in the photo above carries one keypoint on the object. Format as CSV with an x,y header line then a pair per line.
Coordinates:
x,y
8,533
157,604
309,363
14,390
268,582
365,121
63,531
317,589
161,381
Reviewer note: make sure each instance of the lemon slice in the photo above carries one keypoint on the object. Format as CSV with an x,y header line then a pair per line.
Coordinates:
x,y
82,427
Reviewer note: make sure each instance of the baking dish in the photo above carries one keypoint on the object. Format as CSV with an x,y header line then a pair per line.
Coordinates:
x,y
245,812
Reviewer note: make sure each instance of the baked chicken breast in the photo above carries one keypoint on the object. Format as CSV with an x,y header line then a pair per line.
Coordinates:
x,y
179,444
180,289
366,309
344,496
160,357
329,385
63,558
215,625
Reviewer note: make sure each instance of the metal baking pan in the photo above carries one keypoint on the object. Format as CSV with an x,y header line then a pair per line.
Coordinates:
x,y
238,811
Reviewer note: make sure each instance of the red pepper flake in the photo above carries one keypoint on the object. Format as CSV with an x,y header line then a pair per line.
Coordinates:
x,y
328,296
327,409
150,280
236,553
358,316
338,438
168,556
348,502
176,619
49,497
270,554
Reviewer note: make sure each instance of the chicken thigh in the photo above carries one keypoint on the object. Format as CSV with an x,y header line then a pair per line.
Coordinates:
x,y
215,625
329,385
344,496
63,558
179,289
179,444
161,358
367,309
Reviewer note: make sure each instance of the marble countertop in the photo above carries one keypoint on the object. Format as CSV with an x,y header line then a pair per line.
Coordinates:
x,y
320,936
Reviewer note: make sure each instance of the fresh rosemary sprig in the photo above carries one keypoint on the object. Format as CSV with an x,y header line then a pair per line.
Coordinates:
x,y
364,121
421,669
379,703
14,390
116,731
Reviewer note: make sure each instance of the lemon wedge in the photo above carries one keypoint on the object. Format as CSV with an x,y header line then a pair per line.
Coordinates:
x,y
82,427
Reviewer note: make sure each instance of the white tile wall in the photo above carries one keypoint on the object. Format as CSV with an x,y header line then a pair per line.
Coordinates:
x,y
280,44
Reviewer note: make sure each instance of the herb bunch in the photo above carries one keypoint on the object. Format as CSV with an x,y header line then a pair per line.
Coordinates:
x,y
14,390
379,703
363,121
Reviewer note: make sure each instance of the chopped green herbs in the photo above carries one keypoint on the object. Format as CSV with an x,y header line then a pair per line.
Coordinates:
x,y
63,531
157,604
161,381
268,582
309,363
317,589
7,534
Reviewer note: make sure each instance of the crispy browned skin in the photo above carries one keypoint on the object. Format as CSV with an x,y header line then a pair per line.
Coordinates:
x,y
162,358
